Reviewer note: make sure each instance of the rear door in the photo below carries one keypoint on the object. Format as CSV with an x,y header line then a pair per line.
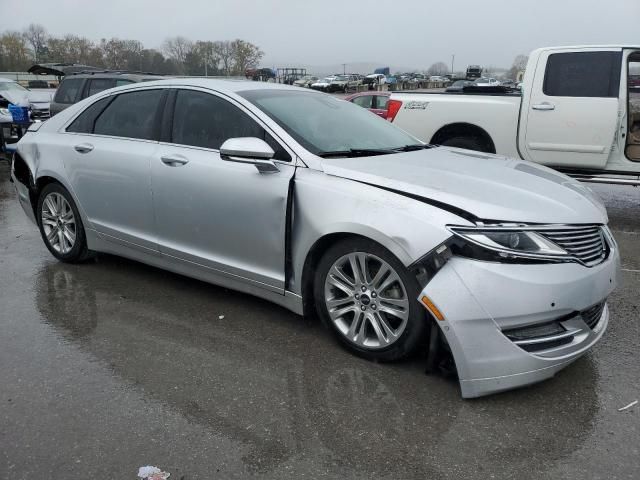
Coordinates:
x,y
572,114
109,148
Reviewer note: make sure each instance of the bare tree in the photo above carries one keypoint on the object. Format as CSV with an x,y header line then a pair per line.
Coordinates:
x,y
224,51
14,52
245,55
438,68
36,36
519,65
177,48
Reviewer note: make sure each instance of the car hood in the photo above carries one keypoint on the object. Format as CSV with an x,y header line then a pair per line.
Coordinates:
x,y
489,187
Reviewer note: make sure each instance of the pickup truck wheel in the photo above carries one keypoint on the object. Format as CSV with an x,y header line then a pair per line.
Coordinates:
x,y
367,298
468,143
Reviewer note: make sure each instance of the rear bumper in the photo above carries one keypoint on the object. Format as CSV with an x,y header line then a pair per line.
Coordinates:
x,y
482,302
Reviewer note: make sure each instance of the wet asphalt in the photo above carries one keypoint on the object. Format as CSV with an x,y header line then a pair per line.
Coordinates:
x,y
112,365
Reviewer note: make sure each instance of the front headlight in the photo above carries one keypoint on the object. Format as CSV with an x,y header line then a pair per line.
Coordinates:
x,y
4,111
499,244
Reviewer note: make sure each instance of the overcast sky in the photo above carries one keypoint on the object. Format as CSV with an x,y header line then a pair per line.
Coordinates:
x,y
411,33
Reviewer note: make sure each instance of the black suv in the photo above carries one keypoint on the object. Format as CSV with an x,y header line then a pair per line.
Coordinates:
x,y
78,86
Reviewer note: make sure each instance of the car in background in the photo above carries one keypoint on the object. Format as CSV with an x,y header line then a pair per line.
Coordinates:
x,y
305,81
322,84
78,86
12,92
458,85
374,80
375,102
342,83
486,82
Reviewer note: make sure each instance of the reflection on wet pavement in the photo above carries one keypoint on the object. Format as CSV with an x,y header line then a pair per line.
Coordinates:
x,y
112,365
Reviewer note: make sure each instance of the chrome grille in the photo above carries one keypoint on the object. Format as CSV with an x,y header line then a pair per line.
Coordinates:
x,y
585,243
591,316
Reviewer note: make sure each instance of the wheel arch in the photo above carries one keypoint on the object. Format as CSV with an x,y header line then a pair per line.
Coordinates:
x,y
464,129
325,241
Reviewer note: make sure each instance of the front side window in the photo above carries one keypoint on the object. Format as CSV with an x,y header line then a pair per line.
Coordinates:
x,y
68,90
205,120
583,74
130,115
97,85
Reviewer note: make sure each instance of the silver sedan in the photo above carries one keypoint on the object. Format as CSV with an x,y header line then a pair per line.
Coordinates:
x,y
315,204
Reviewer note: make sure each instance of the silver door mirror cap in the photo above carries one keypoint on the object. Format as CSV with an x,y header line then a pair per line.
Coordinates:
x,y
249,150
247,147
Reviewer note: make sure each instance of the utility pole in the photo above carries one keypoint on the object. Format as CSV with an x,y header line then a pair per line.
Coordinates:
x,y
452,58
344,68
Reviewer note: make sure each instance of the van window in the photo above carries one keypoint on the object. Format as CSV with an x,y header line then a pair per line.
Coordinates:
x,y
583,74
68,90
97,85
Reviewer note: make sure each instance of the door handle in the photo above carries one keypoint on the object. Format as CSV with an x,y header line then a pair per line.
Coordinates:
x,y
83,148
174,160
543,106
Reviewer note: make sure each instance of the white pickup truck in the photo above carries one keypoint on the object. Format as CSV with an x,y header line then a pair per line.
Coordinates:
x,y
579,112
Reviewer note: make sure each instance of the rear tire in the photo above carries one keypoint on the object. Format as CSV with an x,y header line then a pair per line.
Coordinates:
x,y
373,312
61,226
468,143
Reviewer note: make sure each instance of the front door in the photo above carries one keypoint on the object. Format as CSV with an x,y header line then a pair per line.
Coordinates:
x,y
107,157
572,113
217,214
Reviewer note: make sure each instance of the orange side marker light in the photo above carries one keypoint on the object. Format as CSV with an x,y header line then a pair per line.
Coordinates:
x,y
432,308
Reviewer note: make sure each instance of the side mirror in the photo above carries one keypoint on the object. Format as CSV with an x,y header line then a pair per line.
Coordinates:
x,y
250,150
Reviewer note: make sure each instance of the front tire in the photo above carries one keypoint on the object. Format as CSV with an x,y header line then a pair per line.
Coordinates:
x,y
367,298
60,225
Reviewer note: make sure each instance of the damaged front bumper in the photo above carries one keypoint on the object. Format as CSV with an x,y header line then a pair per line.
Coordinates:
x,y
510,325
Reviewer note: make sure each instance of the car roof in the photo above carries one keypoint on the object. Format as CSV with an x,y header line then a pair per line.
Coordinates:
x,y
223,85
136,76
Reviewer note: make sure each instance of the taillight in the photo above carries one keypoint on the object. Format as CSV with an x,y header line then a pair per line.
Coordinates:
x,y
393,107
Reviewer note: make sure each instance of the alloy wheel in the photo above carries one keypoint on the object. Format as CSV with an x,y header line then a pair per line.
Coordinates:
x,y
366,300
58,223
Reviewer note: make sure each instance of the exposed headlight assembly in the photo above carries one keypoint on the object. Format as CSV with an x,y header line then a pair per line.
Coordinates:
x,y
506,244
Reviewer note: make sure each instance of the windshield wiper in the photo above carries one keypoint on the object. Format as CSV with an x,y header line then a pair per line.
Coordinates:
x,y
411,148
356,152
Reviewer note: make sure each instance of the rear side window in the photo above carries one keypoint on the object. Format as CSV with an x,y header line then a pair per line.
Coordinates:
x,y
68,90
365,101
130,115
381,102
84,123
97,85
583,74
205,120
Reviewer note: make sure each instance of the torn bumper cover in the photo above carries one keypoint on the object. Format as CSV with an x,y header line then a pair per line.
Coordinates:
x,y
510,325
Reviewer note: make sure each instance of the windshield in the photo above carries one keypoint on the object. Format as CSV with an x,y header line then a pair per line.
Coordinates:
x,y
342,77
11,87
482,80
324,124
